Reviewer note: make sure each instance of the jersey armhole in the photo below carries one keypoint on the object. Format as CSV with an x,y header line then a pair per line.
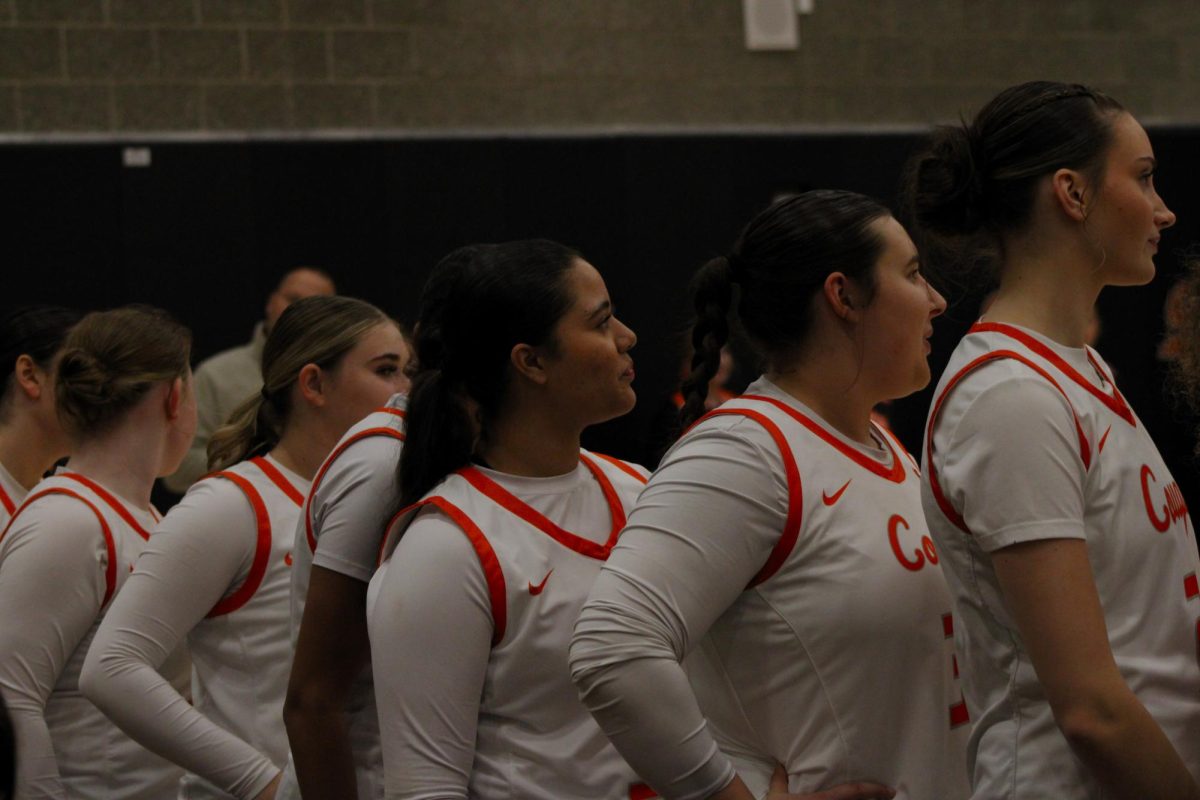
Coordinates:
x,y
791,526
110,545
262,548
309,535
492,572
939,496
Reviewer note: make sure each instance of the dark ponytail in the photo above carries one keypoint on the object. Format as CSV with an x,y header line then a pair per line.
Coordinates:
x,y
973,183
777,265
712,297
479,303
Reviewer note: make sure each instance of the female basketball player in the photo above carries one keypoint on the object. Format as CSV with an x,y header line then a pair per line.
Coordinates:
x,y
333,727
217,569
1066,542
124,396
31,437
781,541
470,615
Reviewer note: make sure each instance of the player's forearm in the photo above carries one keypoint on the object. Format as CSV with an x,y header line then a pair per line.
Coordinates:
x,y
321,753
1125,749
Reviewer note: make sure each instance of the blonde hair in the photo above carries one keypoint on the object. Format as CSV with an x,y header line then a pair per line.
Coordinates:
x,y
315,330
110,359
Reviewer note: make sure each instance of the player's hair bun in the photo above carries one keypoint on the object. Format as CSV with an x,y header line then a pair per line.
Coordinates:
x,y
949,183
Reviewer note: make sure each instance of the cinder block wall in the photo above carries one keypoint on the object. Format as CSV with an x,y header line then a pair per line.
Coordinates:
x,y
269,65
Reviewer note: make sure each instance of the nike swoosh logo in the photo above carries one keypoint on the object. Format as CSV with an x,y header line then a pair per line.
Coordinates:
x,y
536,590
287,559
830,499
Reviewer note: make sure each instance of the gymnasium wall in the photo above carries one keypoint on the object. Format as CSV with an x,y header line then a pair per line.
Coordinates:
x,y
303,65
372,136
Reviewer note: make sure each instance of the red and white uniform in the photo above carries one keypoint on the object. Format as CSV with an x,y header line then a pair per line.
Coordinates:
x,y
470,616
1031,440
12,494
341,527
792,564
216,571
64,556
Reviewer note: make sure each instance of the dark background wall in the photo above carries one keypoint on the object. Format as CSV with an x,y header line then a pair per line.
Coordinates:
x,y
206,229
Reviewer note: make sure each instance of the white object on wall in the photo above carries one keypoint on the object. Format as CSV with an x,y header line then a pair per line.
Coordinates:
x,y
771,24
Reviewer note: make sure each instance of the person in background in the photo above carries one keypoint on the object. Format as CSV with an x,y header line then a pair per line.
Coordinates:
x,y
31,436
225,380
1064,537
1186,336
124,395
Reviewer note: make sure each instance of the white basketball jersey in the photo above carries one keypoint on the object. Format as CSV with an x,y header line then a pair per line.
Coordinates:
x,y
534,740
383,424
838,658
95,759
12,494
1143,555
241,652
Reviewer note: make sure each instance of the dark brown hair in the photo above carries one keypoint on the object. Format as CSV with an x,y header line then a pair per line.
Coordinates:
x,y
109,361
778,263
973,183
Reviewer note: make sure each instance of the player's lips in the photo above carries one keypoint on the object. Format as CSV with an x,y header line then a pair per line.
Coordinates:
x,y
925,339
628,374
1154,243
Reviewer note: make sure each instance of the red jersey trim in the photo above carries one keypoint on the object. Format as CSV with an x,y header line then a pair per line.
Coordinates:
x,y
110,545
278,479
791,526
333,456
7,502
895,473
111,501
1115,402
262,548
492,573
1085,453
510,502
623,466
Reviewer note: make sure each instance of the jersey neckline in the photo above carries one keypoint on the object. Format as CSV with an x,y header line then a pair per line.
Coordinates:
x,y
510,502
1115,401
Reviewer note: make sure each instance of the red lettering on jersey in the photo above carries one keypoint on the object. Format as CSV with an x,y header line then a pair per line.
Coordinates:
x,y
927,551
1174,506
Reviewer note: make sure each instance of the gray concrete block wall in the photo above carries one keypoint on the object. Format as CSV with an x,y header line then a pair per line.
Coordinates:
x,y
270,65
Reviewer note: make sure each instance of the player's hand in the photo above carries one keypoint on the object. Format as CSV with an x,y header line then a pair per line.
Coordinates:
x,y
847,791
272,787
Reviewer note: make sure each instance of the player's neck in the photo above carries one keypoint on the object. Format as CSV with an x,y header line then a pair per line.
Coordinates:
x,y
123,464
533,445
1050,290
834,394
302,449
24,452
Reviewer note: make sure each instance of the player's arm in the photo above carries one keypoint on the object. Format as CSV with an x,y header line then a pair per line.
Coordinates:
x,y
702,528
201,552
331,651
348,509
431,638
61,547
1018,450
1050,591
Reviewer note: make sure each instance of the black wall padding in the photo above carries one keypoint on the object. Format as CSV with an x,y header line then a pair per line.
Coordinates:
x,y
208,227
